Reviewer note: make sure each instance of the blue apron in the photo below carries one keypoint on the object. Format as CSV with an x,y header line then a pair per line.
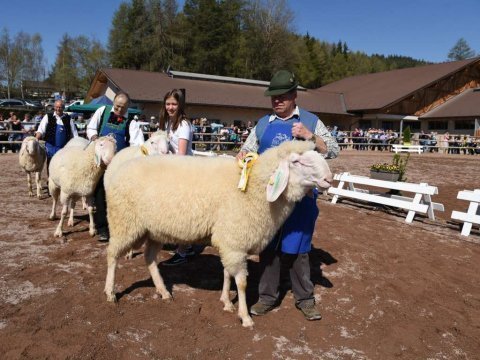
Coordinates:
x,y
60,141
110,126
296,233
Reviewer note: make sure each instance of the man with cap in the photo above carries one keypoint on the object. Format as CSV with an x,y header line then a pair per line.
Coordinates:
x,y
112,120
291,245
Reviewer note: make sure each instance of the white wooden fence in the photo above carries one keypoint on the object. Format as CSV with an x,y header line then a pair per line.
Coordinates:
x,y
420,202
472,216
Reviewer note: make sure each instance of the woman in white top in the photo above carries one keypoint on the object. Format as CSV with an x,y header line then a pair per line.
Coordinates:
x,y
180,133
175,122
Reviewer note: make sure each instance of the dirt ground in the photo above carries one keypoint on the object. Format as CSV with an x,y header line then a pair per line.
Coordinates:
x,y
386,289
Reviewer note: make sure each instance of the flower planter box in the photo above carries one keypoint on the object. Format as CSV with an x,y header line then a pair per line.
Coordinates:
x,y
384,175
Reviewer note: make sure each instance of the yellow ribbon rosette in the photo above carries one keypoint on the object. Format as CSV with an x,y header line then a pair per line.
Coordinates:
x,y
246,164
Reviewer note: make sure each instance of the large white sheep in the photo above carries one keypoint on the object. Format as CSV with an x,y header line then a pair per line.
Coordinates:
x,y
74,172
182,200
32,158
156,144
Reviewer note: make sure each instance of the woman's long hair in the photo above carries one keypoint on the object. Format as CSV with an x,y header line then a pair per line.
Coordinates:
x,y
180,116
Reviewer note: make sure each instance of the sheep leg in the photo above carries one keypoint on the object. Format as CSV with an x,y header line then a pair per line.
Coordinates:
x,y
70,218
225,297
29,184
59,230
151,250
38,180
241,281
84,203
92,229
112,265
55,192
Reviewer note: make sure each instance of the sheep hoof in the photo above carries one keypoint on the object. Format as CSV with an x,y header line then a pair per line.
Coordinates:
x,y
92,232
58,233
52,217
229,308
129,255
111,298
166,296
30,194
70,223
247,323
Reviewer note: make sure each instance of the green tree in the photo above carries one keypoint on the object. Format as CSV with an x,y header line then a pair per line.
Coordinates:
x,y
120,44
461,51
21,58
64,72
267,26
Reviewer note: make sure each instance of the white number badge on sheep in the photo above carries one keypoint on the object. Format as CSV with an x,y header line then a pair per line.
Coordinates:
x,y
191,200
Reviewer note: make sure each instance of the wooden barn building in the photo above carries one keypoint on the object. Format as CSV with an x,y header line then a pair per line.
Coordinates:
x,y
439,97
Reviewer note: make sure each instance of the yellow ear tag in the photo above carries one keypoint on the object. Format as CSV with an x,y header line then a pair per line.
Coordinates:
x,y
246,164
144,150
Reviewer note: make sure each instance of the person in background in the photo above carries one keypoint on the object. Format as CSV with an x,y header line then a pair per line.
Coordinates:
x,y
56,129
4,125
28,125
180,133
114,120
290,247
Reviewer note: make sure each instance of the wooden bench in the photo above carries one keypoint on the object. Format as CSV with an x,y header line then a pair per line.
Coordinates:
x,y
421,201
407,148
472,216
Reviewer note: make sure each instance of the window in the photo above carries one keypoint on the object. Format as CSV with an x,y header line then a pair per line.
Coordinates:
x,y
464,125
414,125
438,125
365,124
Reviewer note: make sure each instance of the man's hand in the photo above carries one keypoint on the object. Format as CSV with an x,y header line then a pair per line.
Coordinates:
x,y
241,155
94,137
301,132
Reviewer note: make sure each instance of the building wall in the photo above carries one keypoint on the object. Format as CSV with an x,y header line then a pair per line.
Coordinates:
x,y
219,114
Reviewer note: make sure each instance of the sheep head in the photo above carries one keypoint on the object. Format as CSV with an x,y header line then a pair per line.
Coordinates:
x,y
105,149
300,169
158,143
30,145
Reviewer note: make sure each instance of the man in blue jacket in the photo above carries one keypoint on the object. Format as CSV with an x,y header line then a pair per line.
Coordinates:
x,y
292,243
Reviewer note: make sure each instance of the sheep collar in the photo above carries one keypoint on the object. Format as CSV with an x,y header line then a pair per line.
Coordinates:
x,y
246,164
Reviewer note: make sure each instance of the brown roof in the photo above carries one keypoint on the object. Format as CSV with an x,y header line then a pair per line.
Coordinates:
x,y
466,104
145,86
376,91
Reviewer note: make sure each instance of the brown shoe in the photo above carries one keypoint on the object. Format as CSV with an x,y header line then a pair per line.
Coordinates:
x,y
260,309
309,311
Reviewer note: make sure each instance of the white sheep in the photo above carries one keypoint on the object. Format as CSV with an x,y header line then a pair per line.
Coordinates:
x,y
32,158
77,141
183,200
74,172
156,144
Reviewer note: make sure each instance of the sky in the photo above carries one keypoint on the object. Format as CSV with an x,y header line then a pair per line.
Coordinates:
x,y
421,29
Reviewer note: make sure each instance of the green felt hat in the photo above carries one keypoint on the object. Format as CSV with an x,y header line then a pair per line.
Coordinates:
x,y
282,82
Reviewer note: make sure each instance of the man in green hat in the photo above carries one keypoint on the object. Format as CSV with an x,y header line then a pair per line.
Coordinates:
x,y
291,245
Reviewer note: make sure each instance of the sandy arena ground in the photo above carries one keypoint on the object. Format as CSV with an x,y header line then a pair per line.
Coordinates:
x,y
386,289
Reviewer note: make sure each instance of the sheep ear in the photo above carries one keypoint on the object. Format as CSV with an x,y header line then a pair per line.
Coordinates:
x,y
98,160
278,181
23,147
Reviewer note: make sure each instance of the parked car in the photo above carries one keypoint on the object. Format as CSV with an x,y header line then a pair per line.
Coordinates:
x,y
36,104
427,142
75,102
11,103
